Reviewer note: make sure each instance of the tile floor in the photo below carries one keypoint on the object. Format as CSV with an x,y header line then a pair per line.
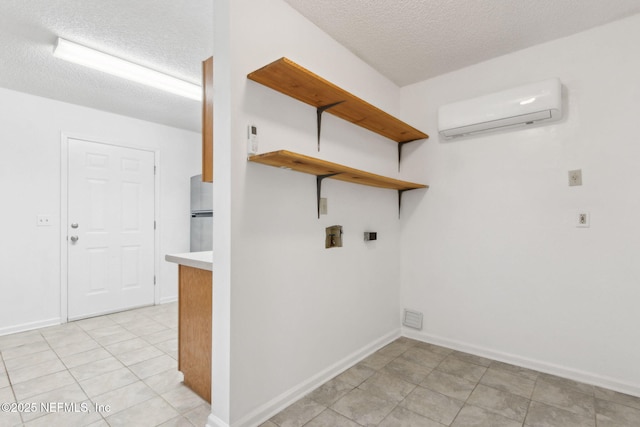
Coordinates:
x,y
125,360
128,361
414,384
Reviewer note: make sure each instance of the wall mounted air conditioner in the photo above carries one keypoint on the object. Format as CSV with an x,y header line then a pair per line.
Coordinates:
x,y
520,106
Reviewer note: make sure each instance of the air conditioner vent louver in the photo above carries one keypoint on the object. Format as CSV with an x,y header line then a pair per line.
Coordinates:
x,y
412,319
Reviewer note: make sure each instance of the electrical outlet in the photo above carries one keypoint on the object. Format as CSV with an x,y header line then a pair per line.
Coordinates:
x,y
575,177
583,219
43,220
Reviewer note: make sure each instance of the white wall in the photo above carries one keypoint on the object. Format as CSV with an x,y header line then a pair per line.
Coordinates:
x,y
30,149
299,313
492,256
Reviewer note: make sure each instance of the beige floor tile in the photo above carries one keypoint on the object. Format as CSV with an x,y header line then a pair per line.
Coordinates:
x,y
472,358
4,379
356,375
149,413
468,371
161,336
515,370
610,414
109,381
140,355
433,405
434,348
73,418
26,349
473,416
94,323
73,360
298,414
10,419
165,381
43,384
363,408
555,394
69,394
22,338
178,421
75,348
567,383
542,415
183,399
268,424
329,418
6,395
153,366
106,331
423,357
401,417
377,361
508,382
449,385
143,330
67,339
126,346
500,402
123,398
115,338
330,392
198,416
35,371
388,387
616,397
29,360
93,369
169,346
394,349
407,370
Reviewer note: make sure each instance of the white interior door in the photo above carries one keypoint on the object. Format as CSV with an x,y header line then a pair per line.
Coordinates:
x,y
110,230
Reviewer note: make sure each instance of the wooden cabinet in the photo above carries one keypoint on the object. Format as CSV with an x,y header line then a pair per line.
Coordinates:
x,y
207,120
194,329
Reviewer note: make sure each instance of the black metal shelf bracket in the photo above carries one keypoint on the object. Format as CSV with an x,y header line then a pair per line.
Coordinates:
x,y
319,112
319,179
400,199
400,145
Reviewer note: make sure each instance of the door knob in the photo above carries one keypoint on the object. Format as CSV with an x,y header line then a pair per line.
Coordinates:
x,y
74,225
74,238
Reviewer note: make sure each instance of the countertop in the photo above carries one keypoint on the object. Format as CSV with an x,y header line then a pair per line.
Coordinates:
x,y
201,260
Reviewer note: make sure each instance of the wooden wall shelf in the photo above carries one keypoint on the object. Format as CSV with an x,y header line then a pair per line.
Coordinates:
x,y
323,169
291,79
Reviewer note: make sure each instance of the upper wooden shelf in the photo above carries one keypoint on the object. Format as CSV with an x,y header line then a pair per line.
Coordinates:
x,y
322,168
291,79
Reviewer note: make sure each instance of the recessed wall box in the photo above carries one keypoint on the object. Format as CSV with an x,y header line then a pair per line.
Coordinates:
x,y
370,235
334,237
524,105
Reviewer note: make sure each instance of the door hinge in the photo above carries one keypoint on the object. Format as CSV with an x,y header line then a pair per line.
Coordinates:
x,y
154,169
154,280
154,225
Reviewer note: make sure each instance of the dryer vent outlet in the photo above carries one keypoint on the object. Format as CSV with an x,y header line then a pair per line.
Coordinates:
x,y
412,319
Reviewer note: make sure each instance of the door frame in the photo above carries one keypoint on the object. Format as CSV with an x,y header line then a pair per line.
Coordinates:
x,y
64,213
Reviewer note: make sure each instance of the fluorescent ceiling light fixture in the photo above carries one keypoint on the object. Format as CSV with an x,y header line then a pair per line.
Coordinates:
x,y
91,58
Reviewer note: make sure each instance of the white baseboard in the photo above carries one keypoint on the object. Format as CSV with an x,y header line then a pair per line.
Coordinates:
x,y
277,404
214,421
546,367
167,300
30,326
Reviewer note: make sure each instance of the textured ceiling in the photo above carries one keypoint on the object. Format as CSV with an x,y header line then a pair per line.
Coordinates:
x,y
167,35
412,40
406,40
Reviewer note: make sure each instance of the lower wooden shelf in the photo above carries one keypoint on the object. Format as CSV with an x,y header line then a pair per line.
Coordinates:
x,y
323,169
